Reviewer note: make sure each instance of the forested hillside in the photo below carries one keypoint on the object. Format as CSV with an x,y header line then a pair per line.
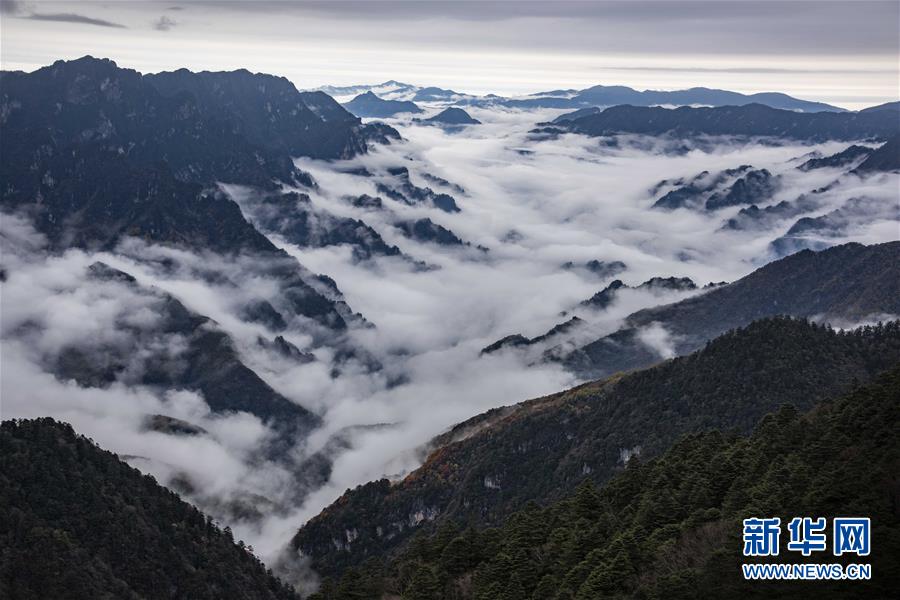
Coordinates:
x,y
671,528
541,450
76,522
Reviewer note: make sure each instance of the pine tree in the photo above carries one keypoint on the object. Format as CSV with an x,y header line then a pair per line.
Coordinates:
x,y
423,586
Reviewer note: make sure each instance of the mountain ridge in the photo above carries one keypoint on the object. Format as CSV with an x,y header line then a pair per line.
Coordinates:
x,y
538,449
670,527
369,105
747,120
598,95
848,282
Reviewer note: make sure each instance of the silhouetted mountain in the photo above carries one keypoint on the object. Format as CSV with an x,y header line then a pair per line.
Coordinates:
x,y
850,282
391,88
76,522
430,94
755,186
892,106
511,341
756,218
669,528
749,120
843,158
486,468
286,349
695,192
171,426
426,230
370,105
518,340
885,158
456,188
564,337
366,201
452,116
577,114
613,95
604,297
678,284
269,112
599,268
398,187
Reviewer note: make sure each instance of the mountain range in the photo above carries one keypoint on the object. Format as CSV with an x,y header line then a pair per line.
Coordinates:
x,y
747,120
595,96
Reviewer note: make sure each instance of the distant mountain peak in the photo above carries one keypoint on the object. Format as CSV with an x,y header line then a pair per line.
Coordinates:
x,y
452,116
370,105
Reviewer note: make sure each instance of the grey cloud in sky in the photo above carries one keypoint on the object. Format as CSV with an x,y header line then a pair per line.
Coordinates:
x,y
728,26
73,18
10,7
164,23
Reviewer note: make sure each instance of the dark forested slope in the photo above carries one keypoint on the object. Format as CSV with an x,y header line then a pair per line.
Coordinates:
x,y
671,528
540,450
76,523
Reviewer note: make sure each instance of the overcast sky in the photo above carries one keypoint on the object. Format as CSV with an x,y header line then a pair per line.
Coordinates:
x,y
845,53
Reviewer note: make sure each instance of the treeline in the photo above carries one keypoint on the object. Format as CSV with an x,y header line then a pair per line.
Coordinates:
x,y
670,528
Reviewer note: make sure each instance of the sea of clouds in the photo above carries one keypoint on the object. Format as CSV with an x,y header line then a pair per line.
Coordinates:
x,y
534,203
